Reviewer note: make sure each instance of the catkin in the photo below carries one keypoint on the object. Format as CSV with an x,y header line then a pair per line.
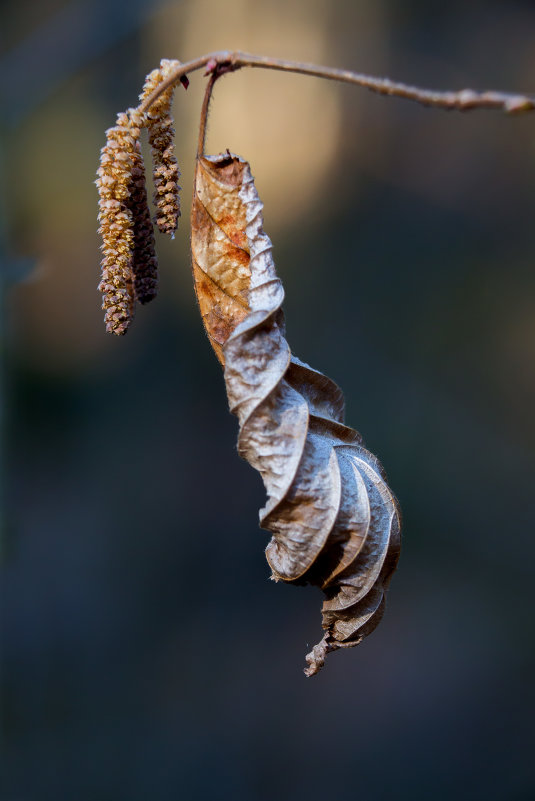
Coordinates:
x,y
161,133
145,263
129,266
117,225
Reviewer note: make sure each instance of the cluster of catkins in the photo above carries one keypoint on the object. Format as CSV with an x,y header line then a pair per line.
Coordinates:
x,y
129,266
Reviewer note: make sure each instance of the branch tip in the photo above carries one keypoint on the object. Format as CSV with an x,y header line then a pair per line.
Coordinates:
x,y
223,61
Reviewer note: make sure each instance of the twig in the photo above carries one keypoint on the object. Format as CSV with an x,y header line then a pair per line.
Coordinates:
x,y
463,100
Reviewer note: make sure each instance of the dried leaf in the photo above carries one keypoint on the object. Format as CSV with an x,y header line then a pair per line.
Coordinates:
x,y
334,521
220,248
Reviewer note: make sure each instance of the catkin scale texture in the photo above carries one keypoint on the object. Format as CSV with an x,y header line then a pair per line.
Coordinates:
x,y
129,265
333,519
117,226
161,133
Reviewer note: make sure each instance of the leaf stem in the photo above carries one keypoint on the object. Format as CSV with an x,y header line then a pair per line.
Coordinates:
x,y
204,112
463,100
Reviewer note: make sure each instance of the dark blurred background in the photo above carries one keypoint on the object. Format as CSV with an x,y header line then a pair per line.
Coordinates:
x,y
144,652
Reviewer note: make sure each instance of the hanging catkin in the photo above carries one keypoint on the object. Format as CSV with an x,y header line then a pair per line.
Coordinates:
x,y
145,263
161,133
333,519
117,224
129,264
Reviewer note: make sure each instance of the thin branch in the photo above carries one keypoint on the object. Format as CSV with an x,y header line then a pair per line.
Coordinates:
x,y
463,100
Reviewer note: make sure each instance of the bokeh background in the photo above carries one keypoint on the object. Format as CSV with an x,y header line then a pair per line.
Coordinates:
x,y
144,652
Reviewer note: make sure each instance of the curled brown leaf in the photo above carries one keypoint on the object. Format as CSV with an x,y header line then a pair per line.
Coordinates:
x,y
333,519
